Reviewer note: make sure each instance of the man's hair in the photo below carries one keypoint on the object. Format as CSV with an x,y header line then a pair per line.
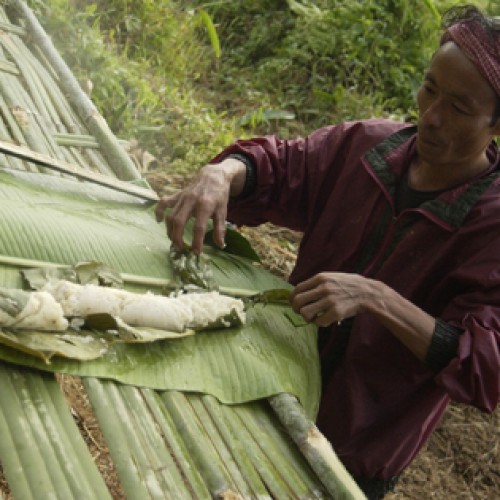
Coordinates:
x,y
491,25
461,13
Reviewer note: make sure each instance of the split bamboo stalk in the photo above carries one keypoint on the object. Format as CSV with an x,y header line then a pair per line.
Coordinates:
x,y
175,444
289,470
316,448
122,165
76,171
8,67
14,127
275,483
221,446
69,448
45,96
226,422
31,80
155,462
116,435
268,422
12,28
16,99
201,450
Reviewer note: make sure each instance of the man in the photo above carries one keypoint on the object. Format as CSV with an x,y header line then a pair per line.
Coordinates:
x,y
399,264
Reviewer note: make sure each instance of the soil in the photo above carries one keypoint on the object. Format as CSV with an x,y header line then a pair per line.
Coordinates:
x,y
460,461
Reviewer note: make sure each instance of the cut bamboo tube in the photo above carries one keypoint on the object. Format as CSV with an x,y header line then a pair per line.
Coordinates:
x,y
316,448
122,165
289,471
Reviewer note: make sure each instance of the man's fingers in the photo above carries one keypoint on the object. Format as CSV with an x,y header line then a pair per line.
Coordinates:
x,y
219,219
163,204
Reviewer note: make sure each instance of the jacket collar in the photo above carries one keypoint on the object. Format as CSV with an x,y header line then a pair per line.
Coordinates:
x,y
391,157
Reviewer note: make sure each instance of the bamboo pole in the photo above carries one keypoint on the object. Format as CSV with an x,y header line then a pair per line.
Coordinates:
x,y
316,448
227,425
122,165
200,449
76,171
284,455
175,444
211,429
12,28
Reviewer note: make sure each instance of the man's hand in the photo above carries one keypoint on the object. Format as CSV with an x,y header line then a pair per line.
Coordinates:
x,y
328,298
205,198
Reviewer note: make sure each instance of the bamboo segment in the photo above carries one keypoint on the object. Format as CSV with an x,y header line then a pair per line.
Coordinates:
x,y
220,445
315,448
226,424
12,28
122,165
288,471
175,444
74,170
269,472
203,453
8,67
59,430
116,436
41,450
267,422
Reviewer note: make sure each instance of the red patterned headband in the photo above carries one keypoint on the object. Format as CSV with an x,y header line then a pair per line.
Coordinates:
x,y
483,51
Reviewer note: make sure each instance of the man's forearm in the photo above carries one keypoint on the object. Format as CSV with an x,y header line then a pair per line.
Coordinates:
x,y
410,324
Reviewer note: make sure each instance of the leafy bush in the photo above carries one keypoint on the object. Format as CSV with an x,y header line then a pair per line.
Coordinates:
x,y
187,77
328,59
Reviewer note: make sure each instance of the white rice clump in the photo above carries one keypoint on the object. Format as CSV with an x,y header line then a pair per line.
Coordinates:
x,y
156,311
195,310
209,307
41,312
82,300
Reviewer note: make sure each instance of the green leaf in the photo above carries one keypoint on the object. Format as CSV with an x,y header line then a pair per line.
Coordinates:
x,y
46,345
97,273
129,334
12,301
236,244
73,222
38,277
212,32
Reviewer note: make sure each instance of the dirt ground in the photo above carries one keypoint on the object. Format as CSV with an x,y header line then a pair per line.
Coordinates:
x,y
460,462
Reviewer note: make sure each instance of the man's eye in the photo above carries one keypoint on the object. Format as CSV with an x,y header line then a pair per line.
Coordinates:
x,y
460,110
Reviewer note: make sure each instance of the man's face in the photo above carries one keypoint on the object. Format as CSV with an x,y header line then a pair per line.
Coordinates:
x,y
456,106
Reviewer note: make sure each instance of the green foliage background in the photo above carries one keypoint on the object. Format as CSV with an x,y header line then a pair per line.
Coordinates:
x,y
187,77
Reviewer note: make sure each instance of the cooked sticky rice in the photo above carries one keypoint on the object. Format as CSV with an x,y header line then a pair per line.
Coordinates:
x,y
41,312
193,310
209,307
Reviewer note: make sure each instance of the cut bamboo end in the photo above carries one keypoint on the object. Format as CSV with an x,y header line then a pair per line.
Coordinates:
x,y
316,448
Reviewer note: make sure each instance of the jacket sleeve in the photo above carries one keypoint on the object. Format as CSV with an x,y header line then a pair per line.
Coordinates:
x,y
289,175
473,375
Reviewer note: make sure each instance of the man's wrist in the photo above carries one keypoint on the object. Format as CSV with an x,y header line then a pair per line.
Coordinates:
x,y
250,182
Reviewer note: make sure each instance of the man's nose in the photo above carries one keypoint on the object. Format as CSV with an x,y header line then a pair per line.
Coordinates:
x,y
433,114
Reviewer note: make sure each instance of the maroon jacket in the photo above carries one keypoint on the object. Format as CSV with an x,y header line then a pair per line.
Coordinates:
x,y
380,403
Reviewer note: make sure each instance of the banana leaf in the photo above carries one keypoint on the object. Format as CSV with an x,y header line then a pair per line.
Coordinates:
x,y
60,221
